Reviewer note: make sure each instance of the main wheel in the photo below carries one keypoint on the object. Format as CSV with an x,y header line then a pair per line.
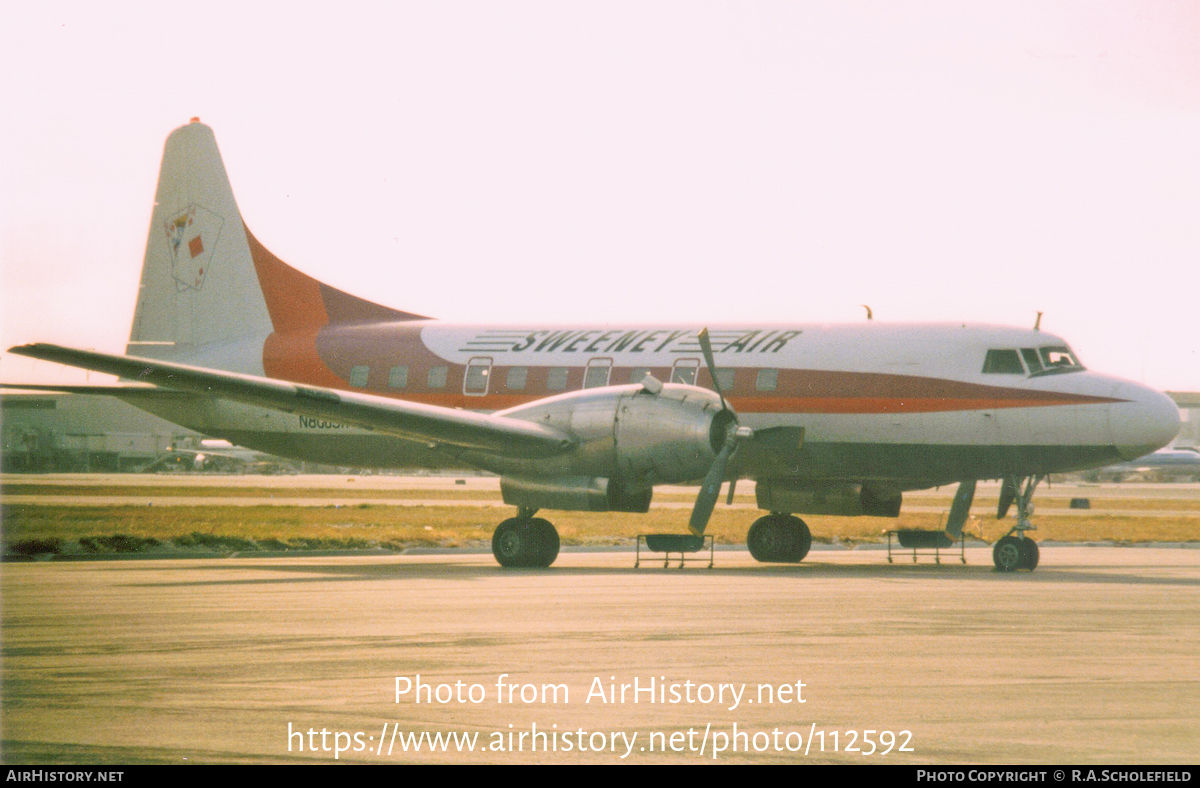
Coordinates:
x,y
760,541
779,538
1008,554
513,542
525,542
1030,551
801,541
546,537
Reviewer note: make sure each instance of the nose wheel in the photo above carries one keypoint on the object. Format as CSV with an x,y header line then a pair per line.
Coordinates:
x,y
525,542
1015,550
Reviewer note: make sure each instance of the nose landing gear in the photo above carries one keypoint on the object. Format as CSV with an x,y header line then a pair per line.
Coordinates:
x,y
1015,550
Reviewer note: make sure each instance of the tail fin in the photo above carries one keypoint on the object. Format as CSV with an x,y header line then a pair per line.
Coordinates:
x,y
207,282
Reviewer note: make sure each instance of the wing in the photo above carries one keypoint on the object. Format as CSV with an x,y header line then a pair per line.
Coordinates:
x,y
447,426
112,390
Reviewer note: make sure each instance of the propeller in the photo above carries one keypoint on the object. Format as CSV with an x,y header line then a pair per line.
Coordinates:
x,y
1008,494
706,349
710,490
960,508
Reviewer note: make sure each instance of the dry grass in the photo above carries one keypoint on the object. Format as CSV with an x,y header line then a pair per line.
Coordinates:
x,y
365,525
1046,503
179,491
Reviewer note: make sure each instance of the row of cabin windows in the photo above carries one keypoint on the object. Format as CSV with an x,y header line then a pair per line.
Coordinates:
x,y
556,377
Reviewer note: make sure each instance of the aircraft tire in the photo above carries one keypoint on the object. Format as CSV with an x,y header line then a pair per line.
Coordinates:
x,y
779,538
514,543
1030,554
801,540
1008,555
758,540
547,541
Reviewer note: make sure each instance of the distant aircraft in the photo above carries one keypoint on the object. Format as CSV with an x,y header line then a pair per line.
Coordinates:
x,y
216,455
1166,464
231,342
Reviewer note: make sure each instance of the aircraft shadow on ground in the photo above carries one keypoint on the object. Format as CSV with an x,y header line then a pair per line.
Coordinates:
x,y
373,571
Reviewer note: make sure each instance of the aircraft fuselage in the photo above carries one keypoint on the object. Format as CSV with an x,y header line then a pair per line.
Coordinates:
x,y
917,404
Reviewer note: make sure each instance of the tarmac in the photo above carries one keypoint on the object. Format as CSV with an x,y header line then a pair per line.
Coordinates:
x,y
1090,659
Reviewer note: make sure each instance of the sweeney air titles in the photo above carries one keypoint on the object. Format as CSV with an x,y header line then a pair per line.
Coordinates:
x,y
628,341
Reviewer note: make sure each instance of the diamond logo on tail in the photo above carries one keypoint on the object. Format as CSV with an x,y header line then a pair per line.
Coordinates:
x,y
191,238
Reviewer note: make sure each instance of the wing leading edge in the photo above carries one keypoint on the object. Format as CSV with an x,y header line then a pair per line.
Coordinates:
x,y
446,426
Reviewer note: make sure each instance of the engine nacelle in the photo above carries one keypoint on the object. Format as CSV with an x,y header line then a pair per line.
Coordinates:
x,y
843,500
577,494
629,435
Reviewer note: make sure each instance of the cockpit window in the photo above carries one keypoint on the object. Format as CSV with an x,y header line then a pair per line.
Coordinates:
x,y
1002,362
1057,359
1031,359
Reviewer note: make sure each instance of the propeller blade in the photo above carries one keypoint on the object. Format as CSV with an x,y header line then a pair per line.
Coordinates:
x,y
732,487
960,508
1008,494
711,489
706,348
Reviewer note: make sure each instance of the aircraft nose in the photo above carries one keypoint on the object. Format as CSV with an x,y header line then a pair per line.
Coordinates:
x,y
1145,422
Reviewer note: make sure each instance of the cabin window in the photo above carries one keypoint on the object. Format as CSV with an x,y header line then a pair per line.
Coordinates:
x,y
556,379
768,379
397,377
437,377
597,373
358,377
1002,362
638,374
516,378
725,379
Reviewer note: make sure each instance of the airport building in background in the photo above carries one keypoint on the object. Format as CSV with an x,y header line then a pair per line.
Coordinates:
x,y
48,432
1189,416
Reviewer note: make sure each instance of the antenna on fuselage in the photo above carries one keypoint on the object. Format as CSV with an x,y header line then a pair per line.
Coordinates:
x,y
1037,324
870,314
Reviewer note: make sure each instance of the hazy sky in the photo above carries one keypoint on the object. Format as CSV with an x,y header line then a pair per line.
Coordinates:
x,y
592,162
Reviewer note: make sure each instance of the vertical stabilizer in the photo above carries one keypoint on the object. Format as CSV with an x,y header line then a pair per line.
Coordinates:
x,y
211,294
199,286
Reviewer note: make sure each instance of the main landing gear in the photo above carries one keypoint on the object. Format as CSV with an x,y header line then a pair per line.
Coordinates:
x,y
525,541
778,537
1015,550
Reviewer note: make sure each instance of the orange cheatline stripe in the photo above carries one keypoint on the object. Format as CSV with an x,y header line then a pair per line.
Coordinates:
x,y
866,405
744,406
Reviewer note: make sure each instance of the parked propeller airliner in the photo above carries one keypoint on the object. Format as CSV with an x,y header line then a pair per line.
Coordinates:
x,y
231,342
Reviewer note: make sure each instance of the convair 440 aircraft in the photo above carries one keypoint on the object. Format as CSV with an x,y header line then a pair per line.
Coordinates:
x,y
231,342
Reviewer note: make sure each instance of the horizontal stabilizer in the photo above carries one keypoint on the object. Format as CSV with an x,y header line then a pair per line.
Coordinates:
x,y
437,425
